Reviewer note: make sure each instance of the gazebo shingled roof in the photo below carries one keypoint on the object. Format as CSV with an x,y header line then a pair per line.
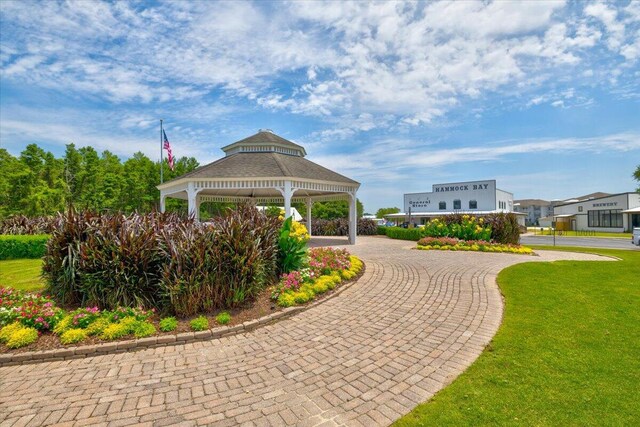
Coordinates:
x,y
265,168
267,164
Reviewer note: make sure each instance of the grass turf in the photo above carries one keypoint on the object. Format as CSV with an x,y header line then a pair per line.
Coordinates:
x,y
567,353
22,274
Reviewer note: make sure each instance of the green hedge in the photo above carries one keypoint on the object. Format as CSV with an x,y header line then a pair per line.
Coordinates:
x,y
15,247
381,231
414,234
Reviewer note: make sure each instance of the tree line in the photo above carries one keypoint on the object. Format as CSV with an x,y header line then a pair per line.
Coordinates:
x,y
36,183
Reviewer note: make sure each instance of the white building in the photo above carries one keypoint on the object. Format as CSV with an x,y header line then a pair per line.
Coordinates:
x,y
616,213
534,209
473,197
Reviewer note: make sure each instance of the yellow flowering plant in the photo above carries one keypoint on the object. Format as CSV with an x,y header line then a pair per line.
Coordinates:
x,y
299,232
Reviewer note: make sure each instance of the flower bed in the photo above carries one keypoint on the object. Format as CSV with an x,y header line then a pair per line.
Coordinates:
x,y
30,321
453,244
324,270
183,250
26,318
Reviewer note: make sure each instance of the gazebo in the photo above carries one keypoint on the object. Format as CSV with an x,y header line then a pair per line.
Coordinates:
x,y
264,168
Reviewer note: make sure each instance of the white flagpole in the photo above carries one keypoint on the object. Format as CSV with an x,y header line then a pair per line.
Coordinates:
x,y
161,155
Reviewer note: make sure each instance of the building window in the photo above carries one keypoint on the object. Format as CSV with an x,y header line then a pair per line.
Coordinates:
x,y
443,206
457,204
473,204
579,208
605,218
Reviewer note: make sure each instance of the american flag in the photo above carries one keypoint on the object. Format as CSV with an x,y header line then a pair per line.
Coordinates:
x,y
167,147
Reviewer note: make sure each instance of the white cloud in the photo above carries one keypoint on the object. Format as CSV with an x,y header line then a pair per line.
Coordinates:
x,y
417,61
21,126
393,158
609,17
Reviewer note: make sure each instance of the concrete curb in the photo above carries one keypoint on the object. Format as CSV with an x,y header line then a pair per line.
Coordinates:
x,y
11,359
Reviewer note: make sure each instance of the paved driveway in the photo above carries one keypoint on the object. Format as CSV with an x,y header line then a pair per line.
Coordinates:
x,y
408,327
587,242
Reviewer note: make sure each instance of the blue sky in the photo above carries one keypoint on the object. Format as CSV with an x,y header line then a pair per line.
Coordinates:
x,y
542,96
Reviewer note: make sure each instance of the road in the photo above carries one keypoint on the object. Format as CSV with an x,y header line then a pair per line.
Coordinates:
x,y
589,242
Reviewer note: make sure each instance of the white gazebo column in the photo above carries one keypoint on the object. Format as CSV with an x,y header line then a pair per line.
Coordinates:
x,y
192,194
309,205
198,201
162,201
353,217
286,193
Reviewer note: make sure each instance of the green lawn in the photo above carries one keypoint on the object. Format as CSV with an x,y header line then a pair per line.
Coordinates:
x,y
567,353
22,274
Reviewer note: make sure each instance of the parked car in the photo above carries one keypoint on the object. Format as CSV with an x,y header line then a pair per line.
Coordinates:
x,y
635,238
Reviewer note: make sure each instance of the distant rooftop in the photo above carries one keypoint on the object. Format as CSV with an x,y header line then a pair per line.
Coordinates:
x,y
590,196
531,202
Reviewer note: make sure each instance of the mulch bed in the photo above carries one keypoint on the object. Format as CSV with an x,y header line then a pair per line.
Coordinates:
x,y
261,306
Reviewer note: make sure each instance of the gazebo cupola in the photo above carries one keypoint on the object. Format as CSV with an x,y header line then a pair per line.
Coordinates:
x,y
264,168
265,141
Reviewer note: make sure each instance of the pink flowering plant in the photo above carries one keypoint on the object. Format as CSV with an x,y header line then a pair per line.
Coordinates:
x,y
288,281
121,312
30,309
326,260
83,317
438,241
321,261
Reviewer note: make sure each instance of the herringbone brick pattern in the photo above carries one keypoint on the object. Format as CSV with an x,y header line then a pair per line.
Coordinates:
x,y
412,323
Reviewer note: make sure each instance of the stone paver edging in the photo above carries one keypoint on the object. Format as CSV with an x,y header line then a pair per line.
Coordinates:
x,y
410,325
76,352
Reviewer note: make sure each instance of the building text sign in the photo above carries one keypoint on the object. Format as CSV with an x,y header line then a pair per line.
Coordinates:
x,y
445,197
461,187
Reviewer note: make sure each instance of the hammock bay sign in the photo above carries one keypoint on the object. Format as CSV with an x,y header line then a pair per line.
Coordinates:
x,y
460,187
460,196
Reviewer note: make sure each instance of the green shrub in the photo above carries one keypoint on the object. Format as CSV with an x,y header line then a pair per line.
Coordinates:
x,y
301,297
222,266
286,299
367,227
504,228
347,274
98,326
320,287
458,226
20,224
22,337
200,323
7,331
168,324
292,251
161,261
404,233
63,325
143,329
356,264
15,247
223,318
381,231
340,227
72,336
115,331
327,281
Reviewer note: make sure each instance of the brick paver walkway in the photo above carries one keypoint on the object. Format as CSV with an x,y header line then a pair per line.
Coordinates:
x,y
412,323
